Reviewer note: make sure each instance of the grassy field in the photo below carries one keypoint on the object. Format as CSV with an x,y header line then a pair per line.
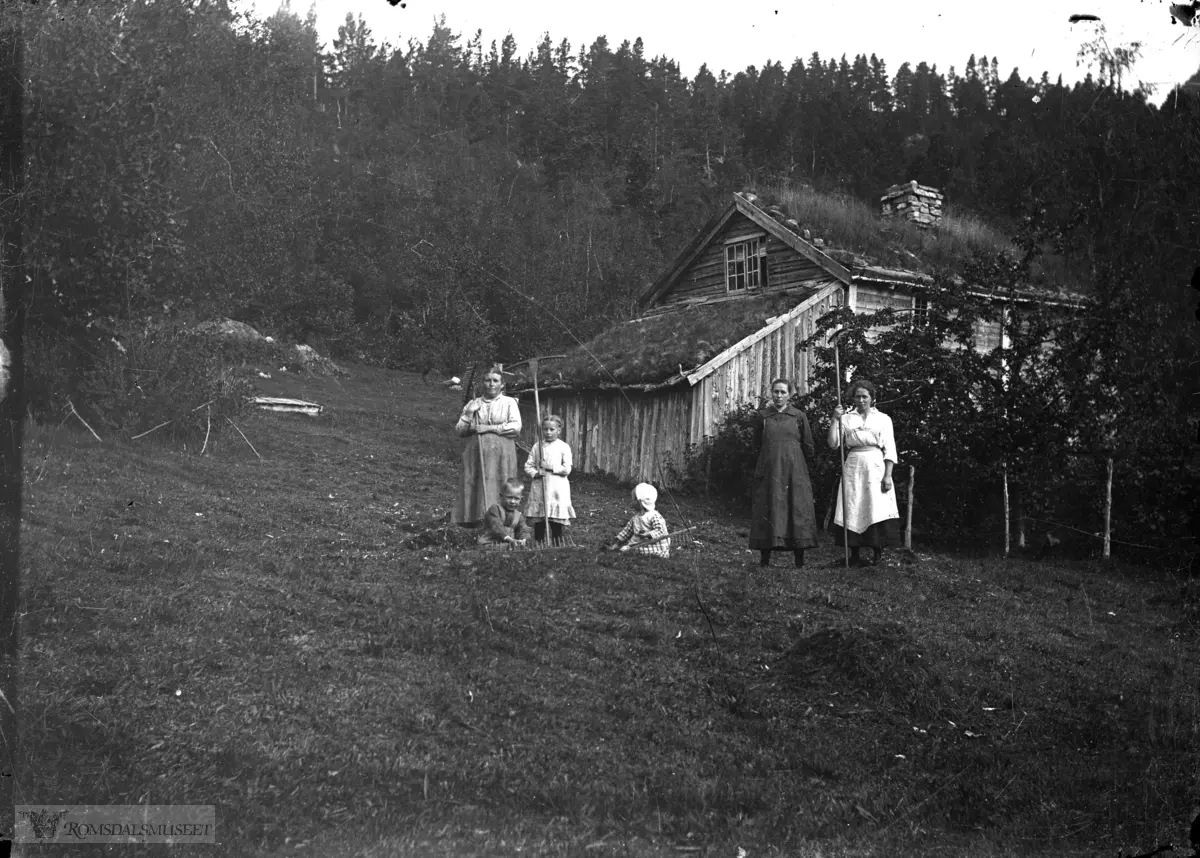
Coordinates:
x,y
300,641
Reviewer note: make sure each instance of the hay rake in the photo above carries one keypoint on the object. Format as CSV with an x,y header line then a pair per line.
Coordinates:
x,y
679,539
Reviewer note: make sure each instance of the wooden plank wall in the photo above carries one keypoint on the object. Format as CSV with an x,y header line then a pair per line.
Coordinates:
x,y
872,297
630,438
805,325
705,277
748,375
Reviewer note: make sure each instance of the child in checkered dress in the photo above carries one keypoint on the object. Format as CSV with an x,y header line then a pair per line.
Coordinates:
x,y
644,526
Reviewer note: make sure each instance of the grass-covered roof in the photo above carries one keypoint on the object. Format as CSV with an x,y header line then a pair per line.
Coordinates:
x,y
650,351
854,233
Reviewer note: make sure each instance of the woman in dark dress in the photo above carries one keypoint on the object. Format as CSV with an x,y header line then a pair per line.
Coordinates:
x,y
783,514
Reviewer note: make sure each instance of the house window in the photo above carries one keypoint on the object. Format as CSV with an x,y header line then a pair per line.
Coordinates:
x,y
745,265
920,313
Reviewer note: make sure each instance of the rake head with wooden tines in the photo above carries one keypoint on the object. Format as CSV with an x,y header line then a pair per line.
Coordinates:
x,y
680,538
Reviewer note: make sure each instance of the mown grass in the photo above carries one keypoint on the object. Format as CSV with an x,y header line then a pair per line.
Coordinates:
x,y
300,641
851,224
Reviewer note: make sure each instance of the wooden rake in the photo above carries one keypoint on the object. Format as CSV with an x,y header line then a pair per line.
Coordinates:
x,y
679,538
537,413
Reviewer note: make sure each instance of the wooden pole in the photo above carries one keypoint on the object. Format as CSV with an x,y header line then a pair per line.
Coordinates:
x,y
482,467
837,364
912,477
537,411
1108,509
14,300
1007,516
479,448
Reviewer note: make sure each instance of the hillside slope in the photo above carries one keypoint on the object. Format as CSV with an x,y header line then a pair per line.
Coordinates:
x,y
298,640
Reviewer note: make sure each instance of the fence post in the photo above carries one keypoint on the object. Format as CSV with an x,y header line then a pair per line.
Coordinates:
x,y
1108,509
912,476
1007,513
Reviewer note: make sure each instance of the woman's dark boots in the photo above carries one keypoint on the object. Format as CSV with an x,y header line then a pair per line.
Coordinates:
x,y
765,557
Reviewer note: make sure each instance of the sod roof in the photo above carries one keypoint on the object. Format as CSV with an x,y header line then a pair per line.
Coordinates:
x,y
656,350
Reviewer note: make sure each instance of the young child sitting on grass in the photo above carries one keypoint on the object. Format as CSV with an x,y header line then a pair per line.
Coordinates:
x,y
503,524
645,526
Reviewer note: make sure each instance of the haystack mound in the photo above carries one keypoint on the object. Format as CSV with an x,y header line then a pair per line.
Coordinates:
x,y
308,358
883,663
231,329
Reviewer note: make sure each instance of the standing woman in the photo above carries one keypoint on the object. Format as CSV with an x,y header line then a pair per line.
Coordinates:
x,y
867,480
490,423
783,517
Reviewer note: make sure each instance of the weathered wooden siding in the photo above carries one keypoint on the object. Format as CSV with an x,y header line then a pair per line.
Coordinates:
x,y
870,297
631,435
748,375
705,277
873,297
804,328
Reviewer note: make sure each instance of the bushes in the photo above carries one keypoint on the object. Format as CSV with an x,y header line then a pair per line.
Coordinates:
x,y
724,462
732,454
168,373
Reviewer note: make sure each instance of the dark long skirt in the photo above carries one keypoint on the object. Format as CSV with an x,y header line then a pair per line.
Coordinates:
x,y
782,514
881,534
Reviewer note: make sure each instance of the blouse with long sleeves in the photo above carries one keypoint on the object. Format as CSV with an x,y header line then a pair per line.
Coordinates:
x,y
551,493
874,430
501,415
554,457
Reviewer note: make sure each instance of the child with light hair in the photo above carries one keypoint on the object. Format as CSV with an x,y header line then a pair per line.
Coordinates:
x,y
503,524
549,464
643,533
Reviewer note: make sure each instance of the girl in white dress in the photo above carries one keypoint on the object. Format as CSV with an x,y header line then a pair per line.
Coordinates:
x,y
549,464
870,443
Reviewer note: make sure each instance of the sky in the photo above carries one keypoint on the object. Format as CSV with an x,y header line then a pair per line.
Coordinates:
x,y
1031,35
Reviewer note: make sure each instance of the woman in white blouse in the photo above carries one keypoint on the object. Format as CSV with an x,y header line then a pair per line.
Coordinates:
x,y
491,424
873,517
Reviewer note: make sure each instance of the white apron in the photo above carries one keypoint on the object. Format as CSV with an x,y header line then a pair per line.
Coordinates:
x,y
866,441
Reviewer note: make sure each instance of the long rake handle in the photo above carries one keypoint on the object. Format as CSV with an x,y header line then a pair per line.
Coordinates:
x,y
664,536
537,408
837,363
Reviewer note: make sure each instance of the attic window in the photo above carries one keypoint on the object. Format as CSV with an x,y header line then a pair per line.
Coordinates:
x,y
745,265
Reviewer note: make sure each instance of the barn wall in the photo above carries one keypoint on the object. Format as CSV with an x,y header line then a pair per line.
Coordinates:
x,y
748,375
705,277
632,436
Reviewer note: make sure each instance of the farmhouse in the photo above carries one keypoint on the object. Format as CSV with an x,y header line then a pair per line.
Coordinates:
x,y
712,332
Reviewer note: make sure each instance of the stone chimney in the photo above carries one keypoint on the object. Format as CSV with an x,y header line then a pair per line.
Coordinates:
x,y
916,203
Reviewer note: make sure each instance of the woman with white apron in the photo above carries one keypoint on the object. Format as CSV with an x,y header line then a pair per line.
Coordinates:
x,y
872,517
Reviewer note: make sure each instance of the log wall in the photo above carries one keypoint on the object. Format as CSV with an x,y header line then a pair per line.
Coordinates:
x,y
705,277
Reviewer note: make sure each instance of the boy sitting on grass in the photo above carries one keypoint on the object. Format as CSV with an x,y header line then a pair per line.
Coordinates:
x,y
503,524
644,527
